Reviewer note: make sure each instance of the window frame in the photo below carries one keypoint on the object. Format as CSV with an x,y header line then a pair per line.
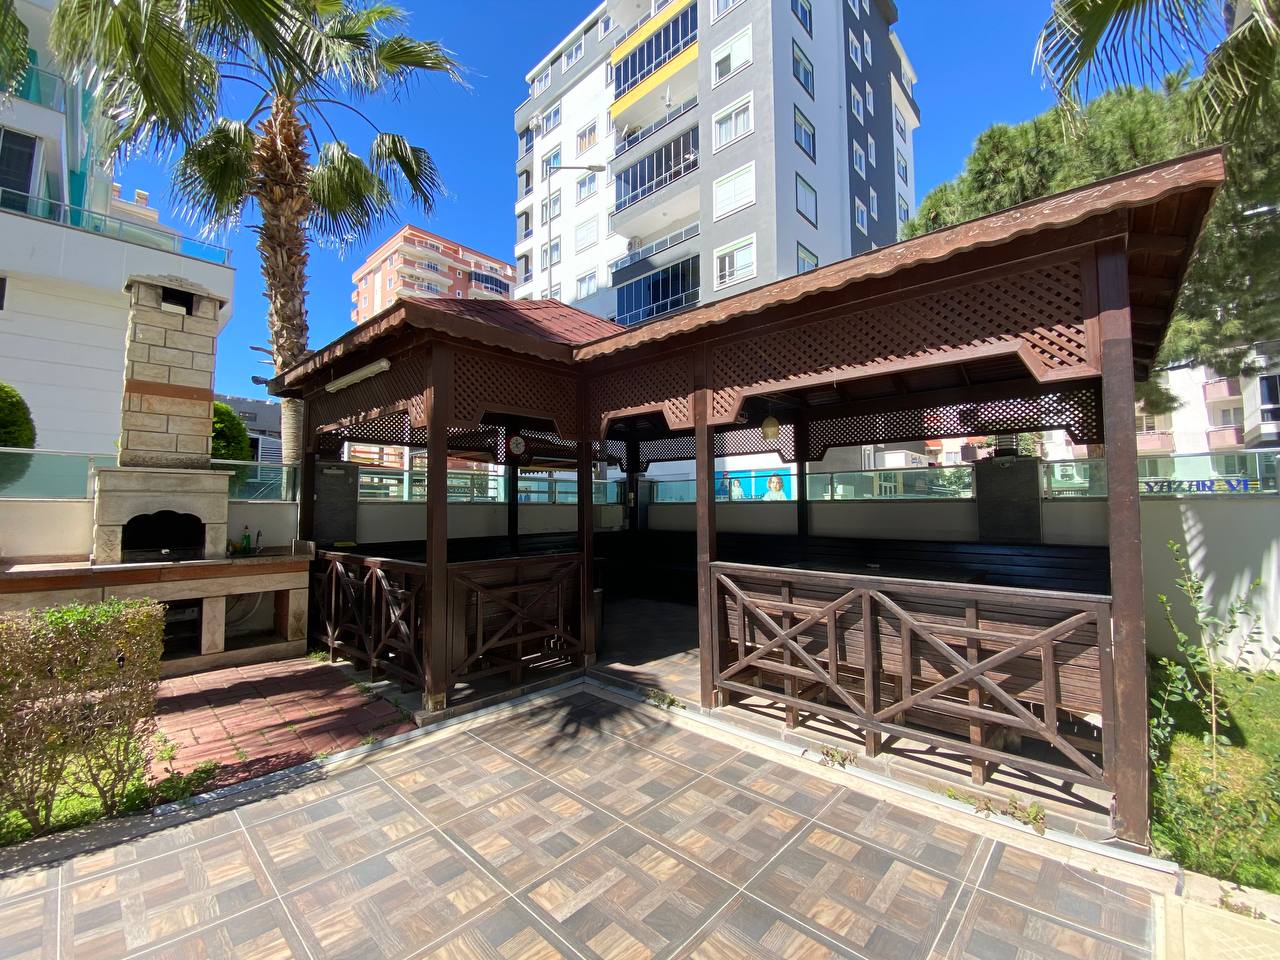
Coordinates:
x,y
594,129
545,167
558,109
798,56
870,99
855,50
873,203
856,104
748,169
801,252
730,110
594,276
581,46
860,217
595,187
733,246
594,222
726,47
813,190
902,168
799,119
807,5
859,161
541,82
733,5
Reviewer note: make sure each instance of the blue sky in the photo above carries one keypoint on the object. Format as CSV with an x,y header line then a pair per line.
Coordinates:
x,y
973,61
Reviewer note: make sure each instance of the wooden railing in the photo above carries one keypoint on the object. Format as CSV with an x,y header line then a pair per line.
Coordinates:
x,y
504,615
967,668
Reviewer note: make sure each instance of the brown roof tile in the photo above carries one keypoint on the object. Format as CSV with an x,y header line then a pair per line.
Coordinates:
x,y
547,319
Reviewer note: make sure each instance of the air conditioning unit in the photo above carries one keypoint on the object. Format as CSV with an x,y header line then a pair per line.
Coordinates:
x,y
536,124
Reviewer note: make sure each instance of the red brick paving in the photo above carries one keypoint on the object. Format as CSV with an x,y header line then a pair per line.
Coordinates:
x,y
259,719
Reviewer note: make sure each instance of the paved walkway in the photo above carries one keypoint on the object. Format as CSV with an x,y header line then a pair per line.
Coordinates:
x,y
579,828
256,720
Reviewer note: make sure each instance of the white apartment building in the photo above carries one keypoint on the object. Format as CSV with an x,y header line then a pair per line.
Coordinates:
x,y
673,153
68,244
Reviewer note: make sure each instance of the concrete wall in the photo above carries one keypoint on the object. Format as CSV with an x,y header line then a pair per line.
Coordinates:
x,y
278,521
46,528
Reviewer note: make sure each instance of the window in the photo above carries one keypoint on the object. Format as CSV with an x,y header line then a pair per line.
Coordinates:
x,y
586,138
859,159
860,215
585,235
364,282
551,119
390,280
855,102
736,262
587,285
524,184
17,163
720,7
855,50
900,164
904,210
806,136
1231,416
871,150
731,56
554,249
659,292
802,68
734,191
732,123
866,46
803,9
586,186
550,162
364,300
606,25
1269,394
806,259
866,6
1145,423
573,54
555,290
871,99
899,123
806,200
873,204
542,82
551,208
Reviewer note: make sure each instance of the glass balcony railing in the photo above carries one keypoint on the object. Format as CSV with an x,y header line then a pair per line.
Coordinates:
x,y
43,88
686,164
388,485
649,249
58,475
90,221
639,136
924,483
260,481
1185,475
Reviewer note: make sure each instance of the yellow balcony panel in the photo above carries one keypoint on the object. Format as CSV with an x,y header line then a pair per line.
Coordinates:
x,y
656,81
650,27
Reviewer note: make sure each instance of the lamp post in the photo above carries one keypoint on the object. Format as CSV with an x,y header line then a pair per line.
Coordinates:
x,y
591,167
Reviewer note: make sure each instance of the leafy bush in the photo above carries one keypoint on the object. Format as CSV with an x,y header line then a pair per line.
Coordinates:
x,y
230,436
17,429
77,704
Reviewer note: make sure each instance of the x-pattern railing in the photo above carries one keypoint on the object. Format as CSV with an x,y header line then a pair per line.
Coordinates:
x,y
807,648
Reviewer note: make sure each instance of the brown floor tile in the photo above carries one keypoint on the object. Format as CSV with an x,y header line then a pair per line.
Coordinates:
x,y
994,929
149,903
23,883
868,900
554,746
394,903
1111,907
461,782
625,779
685,746
529,832
264,933
29,928
304,845
786,786
627,897
151,845
414,753
935,844
507,931
749,928
727,830
309,789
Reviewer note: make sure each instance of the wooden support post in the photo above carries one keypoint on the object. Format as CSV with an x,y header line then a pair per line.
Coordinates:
x,y
633,485
870,666
439,400
307,492
705,472
586,534
977,729
513,505
802,480
1124,536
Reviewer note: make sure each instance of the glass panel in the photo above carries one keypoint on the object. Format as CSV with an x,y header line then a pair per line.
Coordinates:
x,y
47,475
259,481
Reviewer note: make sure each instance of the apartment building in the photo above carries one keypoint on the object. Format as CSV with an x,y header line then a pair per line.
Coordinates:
x,y
673,153
415,262
69,242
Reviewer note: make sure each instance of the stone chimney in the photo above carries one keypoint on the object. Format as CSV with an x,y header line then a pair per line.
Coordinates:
x,y
167,416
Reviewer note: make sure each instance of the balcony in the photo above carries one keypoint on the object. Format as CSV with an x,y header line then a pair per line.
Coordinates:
x,y
636,137
1155,441
656,247
43,88
656,66
128,231
1230,437
1224,388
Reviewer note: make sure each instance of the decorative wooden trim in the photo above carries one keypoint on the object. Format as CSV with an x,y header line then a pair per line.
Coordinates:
x,y
174,391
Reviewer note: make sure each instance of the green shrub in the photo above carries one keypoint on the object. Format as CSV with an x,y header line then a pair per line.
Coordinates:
x,y
17,429
77,704
230,437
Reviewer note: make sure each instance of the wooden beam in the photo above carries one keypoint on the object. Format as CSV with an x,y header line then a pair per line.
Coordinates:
x,y
586,534
439,401
1128,700
705,525
1167,244
1149,317
1153,286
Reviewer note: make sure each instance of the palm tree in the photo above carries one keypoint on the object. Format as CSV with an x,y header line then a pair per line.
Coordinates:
x,y
1088,43
152,64
305,188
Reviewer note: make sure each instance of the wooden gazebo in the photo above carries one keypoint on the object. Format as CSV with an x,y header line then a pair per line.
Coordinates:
x,y
1039,317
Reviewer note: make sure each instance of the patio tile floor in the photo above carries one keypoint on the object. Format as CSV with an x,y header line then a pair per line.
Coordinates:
x,y
634,838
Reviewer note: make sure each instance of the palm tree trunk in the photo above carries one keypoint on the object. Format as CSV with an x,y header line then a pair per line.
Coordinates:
x,y
280,188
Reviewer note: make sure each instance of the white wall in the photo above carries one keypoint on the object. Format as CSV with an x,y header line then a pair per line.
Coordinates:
x,y
388,522
277,520
46,528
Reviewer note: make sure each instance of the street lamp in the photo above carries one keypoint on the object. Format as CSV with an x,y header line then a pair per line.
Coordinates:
x,y
592,168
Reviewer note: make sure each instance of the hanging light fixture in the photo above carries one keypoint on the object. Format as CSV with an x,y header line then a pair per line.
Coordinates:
x,y
769,429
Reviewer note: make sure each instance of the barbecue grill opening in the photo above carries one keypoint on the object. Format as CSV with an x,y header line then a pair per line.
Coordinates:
x,y
163,535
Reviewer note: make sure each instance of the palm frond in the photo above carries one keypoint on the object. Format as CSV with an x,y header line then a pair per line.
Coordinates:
x,y
213,177
408,170
13,48
350,200
1237,82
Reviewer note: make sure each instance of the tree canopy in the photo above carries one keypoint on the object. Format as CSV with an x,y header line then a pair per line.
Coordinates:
x,y
230,437
1231,294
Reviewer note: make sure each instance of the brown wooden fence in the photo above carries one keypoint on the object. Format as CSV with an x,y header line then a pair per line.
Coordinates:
x,y
968,668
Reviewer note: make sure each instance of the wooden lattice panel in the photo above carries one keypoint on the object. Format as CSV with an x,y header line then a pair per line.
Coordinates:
x,y
1076,409
665,385
1038,314
402,387
744,440
488,384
